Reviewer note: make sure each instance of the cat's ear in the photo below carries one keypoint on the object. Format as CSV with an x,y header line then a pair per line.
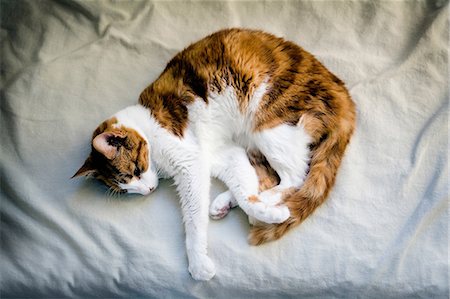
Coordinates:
x,y
85,170
107,143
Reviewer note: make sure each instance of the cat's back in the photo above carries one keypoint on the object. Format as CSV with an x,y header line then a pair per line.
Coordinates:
x,y
242,57
291,81
249,61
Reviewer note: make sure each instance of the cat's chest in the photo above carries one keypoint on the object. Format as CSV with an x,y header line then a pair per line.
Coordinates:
x,y
223,119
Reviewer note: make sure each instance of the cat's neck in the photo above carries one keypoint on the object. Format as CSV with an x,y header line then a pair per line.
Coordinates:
x,y
139,118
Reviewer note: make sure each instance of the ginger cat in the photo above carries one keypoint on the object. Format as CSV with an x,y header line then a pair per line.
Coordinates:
x,y
233,92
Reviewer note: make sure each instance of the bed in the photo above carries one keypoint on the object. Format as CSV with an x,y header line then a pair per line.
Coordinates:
x,y
67,65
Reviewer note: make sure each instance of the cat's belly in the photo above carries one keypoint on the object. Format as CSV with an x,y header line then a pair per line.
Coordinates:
x,y
222,122
230,120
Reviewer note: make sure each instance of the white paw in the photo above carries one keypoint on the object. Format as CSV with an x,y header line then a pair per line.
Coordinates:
x,y
271,197
269,208
202,268
221,205
270,214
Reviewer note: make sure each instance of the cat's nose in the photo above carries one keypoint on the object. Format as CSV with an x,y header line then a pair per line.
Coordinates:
x,y
146,190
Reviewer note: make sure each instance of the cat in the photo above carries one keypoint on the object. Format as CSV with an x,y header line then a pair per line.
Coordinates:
x,y
233,92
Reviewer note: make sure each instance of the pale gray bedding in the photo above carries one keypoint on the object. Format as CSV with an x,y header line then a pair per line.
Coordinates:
x,y
67,65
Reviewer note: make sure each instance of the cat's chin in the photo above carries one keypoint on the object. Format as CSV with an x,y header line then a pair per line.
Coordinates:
x,y
140,191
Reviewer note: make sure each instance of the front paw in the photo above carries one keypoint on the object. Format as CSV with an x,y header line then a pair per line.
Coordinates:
x,y
271,214
268,208
202,268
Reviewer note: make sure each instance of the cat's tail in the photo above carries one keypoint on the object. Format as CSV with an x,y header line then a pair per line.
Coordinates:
x,y
325,160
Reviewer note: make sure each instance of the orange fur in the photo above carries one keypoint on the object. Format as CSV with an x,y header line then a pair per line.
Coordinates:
x,y
267,176
253,199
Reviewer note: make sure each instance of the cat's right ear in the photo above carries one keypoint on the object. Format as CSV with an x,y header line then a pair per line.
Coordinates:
x,y
85,170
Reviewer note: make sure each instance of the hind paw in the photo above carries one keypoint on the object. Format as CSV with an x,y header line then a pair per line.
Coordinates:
x,y
221,205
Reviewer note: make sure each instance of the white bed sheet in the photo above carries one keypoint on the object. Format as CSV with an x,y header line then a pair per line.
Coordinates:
x,y
67,65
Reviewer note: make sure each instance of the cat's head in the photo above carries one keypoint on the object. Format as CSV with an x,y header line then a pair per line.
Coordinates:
x,y
120,157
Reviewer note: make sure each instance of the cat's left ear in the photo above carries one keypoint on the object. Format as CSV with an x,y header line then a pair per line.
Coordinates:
x,y
85,170
107,143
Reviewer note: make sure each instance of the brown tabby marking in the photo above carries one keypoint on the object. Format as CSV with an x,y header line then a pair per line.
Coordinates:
x,y
253,198
267,176
301,90
129,162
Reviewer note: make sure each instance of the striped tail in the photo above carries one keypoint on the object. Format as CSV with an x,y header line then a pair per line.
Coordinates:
x,y
325,161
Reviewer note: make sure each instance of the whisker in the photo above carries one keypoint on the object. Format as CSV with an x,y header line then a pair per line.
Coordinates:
x,y
159,172
110,193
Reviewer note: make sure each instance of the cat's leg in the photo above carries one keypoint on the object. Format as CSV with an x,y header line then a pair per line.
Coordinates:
x,y
222,204
232,166
193,184
267,177
286,148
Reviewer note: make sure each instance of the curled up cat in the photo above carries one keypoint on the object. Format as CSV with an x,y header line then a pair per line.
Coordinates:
x,y
229,105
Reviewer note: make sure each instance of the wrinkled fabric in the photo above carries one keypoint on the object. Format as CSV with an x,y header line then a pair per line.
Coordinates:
x,y
68,65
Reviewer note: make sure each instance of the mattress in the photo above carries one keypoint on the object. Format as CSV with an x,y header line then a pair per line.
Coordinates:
x,y
68,65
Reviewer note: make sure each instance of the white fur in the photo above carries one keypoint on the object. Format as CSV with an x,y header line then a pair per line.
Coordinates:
x,y
215,144
145,185
222,204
